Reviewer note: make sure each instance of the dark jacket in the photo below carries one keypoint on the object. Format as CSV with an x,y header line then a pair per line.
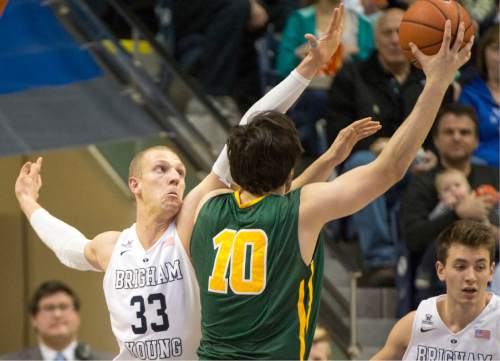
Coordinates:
x,y
363,88
421,198
82,352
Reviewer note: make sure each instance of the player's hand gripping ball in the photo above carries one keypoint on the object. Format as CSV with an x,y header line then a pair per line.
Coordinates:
x,y
423,25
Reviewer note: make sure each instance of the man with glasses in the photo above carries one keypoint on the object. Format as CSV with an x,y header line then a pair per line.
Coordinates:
x,y
55,318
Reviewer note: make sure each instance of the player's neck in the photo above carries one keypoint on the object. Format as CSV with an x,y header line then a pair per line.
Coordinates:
x,y
246,196
150,227
457,316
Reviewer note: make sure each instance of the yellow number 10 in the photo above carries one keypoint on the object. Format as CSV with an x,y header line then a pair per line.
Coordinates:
x,y
232,247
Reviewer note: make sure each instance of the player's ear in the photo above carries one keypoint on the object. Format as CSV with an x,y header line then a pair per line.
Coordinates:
x,y
440,271
133,184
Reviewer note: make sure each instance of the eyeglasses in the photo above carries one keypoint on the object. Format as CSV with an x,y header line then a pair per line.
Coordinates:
x,y
63,307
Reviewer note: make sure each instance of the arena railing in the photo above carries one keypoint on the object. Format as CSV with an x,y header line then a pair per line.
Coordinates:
x,y
156,98
334,306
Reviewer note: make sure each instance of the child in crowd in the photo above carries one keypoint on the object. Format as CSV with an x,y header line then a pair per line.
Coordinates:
x,y
452,187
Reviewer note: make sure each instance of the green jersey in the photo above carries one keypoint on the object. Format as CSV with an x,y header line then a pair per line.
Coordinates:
x,y
259,300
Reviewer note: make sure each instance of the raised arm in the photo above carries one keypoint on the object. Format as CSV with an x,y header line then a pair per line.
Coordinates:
x,y
71,247
280,98
322,202
322,168
398,340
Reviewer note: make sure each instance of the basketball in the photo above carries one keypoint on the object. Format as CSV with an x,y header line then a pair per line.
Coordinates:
x,y
423,25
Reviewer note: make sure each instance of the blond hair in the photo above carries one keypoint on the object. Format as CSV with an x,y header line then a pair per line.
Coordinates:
x,y
135,167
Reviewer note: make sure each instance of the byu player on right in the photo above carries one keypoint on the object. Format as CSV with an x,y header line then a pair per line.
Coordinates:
x,y
464,323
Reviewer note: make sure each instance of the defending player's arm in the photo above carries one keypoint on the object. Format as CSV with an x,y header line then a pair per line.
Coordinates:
x,y
348,193
322,168
398,340
280,98
71,247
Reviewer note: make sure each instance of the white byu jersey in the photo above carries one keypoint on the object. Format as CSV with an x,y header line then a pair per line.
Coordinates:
x,y
432,340
153,298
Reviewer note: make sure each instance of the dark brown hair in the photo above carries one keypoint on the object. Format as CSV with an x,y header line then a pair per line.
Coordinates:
x,y
490,37
458,110
48,289
468,233
263,153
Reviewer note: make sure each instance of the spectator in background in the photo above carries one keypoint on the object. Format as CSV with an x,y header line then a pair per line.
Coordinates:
x,y
453,187
483,12
216,41
455,136
216,29
386,87
313,19
483,94
55,319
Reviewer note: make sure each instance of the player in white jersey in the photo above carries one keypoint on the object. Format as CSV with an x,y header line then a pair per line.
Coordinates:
x,y
463,324
149,284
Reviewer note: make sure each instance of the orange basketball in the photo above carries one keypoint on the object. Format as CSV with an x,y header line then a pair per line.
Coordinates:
x,y
423,25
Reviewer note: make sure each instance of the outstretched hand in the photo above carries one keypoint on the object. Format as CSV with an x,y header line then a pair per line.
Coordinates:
x,y
442,67
322,49
29,181
348,137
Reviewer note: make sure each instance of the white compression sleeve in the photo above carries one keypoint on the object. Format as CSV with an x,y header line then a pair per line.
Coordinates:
x,y
280,98
66,241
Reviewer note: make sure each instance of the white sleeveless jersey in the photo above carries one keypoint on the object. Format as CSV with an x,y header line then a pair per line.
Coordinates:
x,y
432,340
153,298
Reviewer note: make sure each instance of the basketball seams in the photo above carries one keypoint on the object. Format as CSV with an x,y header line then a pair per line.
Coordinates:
x,y
425,47
437,7
458,18
423,24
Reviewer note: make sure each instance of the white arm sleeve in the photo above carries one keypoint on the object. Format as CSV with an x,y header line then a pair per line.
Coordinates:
x,y
279,98
66,241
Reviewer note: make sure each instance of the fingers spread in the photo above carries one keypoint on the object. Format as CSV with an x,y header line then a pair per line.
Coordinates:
x,y
465,52
336,20
25,169
460,37
445,45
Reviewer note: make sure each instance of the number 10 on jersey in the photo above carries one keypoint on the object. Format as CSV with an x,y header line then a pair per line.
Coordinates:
x,y
232,247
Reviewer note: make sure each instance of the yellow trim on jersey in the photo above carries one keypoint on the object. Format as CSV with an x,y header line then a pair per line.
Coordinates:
x,y
302,320
303,317
310,295
249,203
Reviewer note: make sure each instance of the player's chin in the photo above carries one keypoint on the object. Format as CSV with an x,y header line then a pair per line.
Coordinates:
x,y
172,205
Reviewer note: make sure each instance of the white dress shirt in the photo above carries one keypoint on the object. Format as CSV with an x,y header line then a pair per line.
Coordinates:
x,y
50,354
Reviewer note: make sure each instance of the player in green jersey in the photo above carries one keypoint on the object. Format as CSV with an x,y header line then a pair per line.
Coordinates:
x,y
256,252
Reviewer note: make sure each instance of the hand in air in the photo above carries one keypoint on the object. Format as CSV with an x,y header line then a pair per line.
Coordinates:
x,y
348,137
442,67
29,181
322,49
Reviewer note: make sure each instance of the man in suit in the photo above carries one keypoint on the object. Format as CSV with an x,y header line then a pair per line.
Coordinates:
x,y
55,319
